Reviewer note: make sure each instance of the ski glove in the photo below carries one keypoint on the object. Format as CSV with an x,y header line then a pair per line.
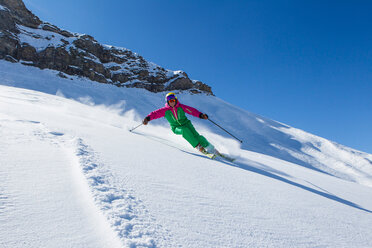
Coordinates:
x,y
146,120
203,116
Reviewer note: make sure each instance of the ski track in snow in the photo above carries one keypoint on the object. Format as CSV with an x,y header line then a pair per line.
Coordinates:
x,y
26,183
126,214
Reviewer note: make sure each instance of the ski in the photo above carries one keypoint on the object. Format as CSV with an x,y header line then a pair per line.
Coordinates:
x,y
209,155
225,157
218,154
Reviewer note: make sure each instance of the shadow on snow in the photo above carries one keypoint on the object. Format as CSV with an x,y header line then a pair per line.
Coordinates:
x,y
265,173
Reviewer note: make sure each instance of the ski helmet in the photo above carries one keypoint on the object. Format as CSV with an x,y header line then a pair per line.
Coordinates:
x,y
170,96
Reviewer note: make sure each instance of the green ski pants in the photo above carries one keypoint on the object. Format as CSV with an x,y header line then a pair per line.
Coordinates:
x,y
189,133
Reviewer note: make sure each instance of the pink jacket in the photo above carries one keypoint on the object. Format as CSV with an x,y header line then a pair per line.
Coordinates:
x,y
161,112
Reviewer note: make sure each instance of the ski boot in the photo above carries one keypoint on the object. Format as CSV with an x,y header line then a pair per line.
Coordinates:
x,y
205,152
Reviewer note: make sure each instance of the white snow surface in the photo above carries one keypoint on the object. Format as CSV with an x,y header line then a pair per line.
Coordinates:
x,y
3,8
41,39
72,175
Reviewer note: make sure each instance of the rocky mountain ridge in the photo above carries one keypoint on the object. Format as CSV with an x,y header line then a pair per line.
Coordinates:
x,y
24,38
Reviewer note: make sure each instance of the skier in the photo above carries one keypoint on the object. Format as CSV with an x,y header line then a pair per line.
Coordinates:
x,y
174,112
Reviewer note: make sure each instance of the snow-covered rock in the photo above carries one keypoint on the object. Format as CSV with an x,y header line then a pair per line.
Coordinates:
x,y
26,39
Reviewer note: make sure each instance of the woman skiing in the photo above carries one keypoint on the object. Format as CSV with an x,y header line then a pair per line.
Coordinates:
x,y
174,112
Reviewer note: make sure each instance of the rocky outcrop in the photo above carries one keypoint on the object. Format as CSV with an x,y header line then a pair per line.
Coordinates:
x,y
20,14
24,38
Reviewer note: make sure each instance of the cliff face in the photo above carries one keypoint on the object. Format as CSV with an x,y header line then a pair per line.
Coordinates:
x,y
24,38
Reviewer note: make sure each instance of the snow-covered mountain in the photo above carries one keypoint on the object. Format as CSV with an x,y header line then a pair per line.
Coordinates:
x,y
72,175
25,39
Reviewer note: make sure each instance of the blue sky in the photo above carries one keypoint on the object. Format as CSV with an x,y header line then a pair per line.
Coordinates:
x,y
304,63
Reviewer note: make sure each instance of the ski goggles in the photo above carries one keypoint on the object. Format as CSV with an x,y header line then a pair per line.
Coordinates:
x,y
170,98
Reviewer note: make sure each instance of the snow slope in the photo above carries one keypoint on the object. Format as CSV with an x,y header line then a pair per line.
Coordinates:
x,y
71,175
259,134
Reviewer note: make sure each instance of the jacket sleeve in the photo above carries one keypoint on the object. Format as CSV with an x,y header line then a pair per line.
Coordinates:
x,y
191,111
157,113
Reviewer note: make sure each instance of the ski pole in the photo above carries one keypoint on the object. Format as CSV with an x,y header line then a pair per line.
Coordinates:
x,y
224,130
136,127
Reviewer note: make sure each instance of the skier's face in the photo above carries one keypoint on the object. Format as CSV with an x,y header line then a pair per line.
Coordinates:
x,y
172,102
